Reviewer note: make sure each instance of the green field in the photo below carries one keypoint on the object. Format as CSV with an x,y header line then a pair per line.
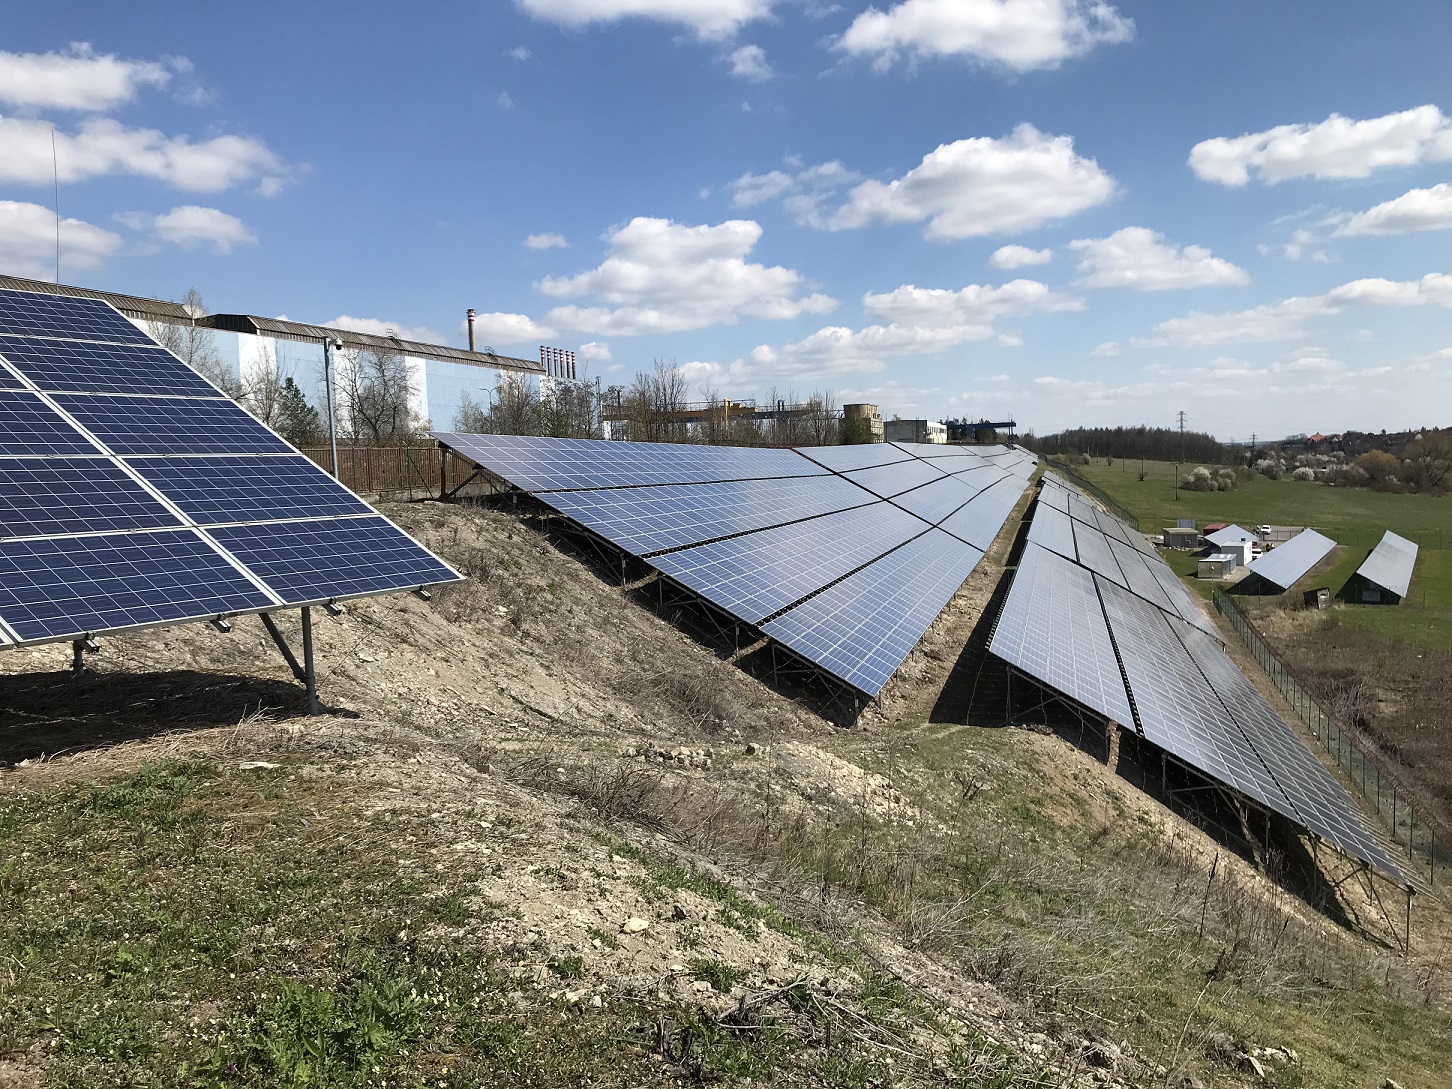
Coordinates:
x,y
1352,517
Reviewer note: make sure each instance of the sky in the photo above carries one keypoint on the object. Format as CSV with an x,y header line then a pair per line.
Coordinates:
x,y
1062,212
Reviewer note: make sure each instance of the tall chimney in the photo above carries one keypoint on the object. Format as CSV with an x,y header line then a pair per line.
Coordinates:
x,y
471,328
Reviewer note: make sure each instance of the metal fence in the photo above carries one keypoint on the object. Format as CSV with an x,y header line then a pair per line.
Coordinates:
x,y
1428,853
396,471
1093,489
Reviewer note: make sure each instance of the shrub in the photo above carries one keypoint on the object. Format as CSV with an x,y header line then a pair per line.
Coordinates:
x,y
1304,473
1268,467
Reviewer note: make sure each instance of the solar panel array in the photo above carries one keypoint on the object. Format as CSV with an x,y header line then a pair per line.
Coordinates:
x,y
133,492
1390,564
1283,565
843,554
1127,649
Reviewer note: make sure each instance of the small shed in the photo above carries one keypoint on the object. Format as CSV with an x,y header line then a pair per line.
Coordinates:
x,y
1175,537
1219,565
1242,552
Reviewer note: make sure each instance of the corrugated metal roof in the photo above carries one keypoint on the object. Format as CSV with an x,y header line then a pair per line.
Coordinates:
x,y
1285,564
1390,564
131,305
1229,535
297,330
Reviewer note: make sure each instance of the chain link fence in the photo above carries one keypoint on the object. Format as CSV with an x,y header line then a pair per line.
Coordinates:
x,y
1428,855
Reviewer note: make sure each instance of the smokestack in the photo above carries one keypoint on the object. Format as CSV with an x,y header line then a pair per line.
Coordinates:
x,y
471,328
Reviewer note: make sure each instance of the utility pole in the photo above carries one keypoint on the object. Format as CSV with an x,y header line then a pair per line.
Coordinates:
x,y
1182,455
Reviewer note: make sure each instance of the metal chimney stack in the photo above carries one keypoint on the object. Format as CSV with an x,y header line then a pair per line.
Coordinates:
x,y
471,328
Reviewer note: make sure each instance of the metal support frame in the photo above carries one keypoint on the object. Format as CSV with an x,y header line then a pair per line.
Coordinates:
x,y
306,671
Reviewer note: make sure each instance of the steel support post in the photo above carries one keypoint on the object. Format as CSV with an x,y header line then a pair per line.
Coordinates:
x,y
78,656
311,676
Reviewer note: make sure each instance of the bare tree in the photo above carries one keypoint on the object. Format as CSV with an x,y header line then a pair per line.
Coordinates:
x,y
654,405
375,390
260,392
822,421
195,345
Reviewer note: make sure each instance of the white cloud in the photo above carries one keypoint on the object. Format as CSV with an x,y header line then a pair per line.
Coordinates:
x,y
502,328
380,328
1019,35
101,146
1286,320
27,242
708,18
1138,257
594,352
982,186
1415,210
915,321
749,63
1335,148
546,242
503,101
519,53
190,225
803,189
1300,246
1019,257
664,277
78,79
1108,350
976,304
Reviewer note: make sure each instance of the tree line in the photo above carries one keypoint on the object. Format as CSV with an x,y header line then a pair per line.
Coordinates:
x,y
1147,443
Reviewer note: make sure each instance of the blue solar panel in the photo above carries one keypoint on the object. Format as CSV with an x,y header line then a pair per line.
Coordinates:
x,y
317,561
980,520
57,588
8,380
56,365
1095,554
890,480
171,425
646,520
841,459
978,476
757,574
29,426
546,465
1053,530
935,501
862,628
48,496
1052,627
28,313
248,489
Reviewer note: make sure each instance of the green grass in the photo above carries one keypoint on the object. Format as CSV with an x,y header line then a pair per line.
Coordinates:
x,y
1354,518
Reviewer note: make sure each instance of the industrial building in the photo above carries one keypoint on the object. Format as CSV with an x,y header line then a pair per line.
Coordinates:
x,y
930,431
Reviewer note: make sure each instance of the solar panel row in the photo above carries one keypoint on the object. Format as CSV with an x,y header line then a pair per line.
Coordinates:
x,y
133,492
1282,566
1123,649
843,554
1390,564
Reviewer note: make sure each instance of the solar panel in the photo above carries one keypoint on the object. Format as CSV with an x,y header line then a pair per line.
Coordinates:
x,y
223,488
935,501
1390,564
1139,578
1318,801
1180,597
546,465
42,497
317,561
841,459
1082,509
1283,565
57,588
1052,628
29,426
25,313
90,543
1057,498
759,573
1095,553
862,628
171,425
646,520
65,365
978,475
1053,530
1112,527
979,521
890,480
934,450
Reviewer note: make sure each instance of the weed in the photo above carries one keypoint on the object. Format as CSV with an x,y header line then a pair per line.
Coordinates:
x,y
720,976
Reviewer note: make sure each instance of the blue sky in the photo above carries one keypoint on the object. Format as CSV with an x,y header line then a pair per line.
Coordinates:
x,y
1068,211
